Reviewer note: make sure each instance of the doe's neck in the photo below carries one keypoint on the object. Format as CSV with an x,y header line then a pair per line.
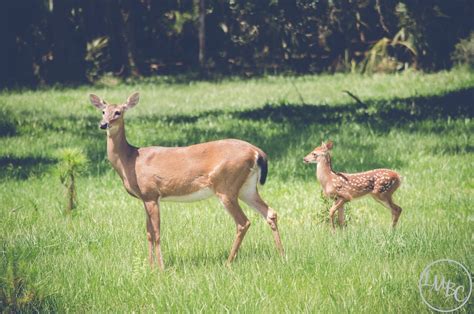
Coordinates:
x,y
117,145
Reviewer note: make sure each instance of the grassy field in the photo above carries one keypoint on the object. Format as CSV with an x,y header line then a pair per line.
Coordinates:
x,y
95,260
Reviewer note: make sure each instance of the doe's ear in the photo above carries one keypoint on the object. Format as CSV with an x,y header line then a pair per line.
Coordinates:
x,y
97,101
132,101
329,144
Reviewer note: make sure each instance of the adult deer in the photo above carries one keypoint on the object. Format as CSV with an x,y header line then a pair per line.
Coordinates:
x,y
229,169
344,187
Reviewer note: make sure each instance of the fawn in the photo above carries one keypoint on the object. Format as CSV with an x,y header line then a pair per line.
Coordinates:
x,y
344,187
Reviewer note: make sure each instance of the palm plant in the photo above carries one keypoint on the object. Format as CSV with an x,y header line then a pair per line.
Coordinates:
x,y
72,161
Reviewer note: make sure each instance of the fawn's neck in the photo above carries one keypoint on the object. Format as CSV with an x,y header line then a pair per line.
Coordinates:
x,y
324,171
118,149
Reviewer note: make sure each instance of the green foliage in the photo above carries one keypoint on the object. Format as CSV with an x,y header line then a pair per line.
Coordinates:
x,y
180,19
435,28
382,56
97,57
128,39
464,52
72,161
95,260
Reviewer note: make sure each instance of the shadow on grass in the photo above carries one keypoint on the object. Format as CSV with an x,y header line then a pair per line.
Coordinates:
x,y
197,259
295,121
381,114
202,258
289,124
8,123
22,168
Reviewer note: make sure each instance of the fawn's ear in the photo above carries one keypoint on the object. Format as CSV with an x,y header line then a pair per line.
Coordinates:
x,y
328,144
97,101
132,101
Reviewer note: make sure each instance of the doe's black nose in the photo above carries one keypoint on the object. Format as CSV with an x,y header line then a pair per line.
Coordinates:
x,y
103,126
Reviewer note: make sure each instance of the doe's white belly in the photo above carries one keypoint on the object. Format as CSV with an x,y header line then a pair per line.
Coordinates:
x,y
195,196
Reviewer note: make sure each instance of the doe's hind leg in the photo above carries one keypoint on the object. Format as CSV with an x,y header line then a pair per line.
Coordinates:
x,y
250,196
241,221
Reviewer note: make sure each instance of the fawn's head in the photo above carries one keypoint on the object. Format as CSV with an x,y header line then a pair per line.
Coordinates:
x,y
112,115
318,153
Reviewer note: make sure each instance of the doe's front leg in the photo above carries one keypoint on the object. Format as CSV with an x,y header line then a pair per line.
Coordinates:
x,y
153,212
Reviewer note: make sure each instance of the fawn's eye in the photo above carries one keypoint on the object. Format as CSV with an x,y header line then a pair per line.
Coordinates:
x,y
117,113
314,154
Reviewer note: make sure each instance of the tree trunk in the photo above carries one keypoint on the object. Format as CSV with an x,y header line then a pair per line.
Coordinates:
x,y
68,45
202,34
8,43
128,33
59,23
71,193
114,30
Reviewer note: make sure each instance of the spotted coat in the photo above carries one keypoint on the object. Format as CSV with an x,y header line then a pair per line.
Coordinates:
x,y
358,184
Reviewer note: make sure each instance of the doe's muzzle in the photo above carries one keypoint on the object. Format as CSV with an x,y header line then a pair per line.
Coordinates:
x,y
104,126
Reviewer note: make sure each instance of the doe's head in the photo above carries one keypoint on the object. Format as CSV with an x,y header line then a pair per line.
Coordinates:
x,y
318,153
112,115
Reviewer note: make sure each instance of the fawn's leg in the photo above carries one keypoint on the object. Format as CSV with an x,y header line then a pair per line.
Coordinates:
x,y
340,216
386,200
338,203
396,212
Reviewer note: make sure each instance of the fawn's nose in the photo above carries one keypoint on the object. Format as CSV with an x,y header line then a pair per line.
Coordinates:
x,y
305,160
104,126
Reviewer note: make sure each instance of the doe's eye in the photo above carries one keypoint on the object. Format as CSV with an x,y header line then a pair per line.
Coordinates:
x,y
117,113
103,111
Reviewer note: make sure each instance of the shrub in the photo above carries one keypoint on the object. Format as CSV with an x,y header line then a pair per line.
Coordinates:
x,y
464,51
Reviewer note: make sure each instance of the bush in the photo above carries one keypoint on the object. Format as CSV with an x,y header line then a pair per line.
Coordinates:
x,y
464,51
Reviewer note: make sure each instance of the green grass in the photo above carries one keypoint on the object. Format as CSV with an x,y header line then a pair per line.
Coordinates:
x,y
95,259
